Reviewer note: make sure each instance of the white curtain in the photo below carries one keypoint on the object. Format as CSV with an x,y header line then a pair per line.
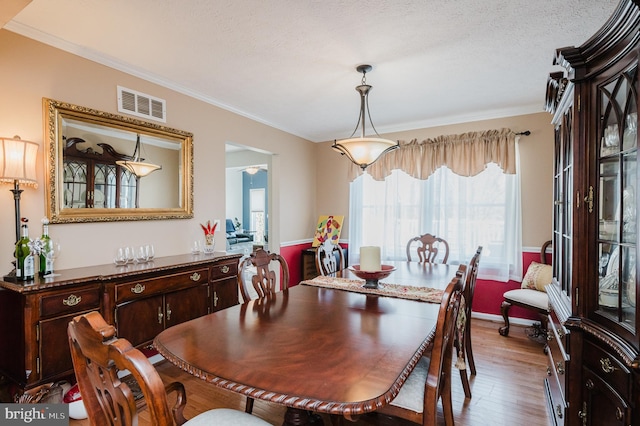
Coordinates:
x,y
466,211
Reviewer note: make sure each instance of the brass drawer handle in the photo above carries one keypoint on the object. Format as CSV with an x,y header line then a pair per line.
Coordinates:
x,y
215,299
559,368
619,413
138,288
72,300
224,269
160,315
195,276
606,365
168,312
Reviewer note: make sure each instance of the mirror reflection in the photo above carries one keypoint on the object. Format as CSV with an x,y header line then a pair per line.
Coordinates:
x,y
106,167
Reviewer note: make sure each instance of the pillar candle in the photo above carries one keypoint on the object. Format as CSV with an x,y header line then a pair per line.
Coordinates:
x,y
370,258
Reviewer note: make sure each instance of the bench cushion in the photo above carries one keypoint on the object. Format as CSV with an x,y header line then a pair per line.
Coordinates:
x,y
536,298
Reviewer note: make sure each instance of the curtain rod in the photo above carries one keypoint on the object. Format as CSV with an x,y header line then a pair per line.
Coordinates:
x,y
525,133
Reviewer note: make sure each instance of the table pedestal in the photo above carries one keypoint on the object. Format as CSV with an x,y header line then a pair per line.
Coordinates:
x,y
297,417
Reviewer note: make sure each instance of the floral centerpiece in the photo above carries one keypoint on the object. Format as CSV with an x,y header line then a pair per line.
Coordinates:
x,y
209,239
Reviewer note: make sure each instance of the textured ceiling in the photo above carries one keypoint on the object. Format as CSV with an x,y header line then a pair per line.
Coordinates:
x,y
291,63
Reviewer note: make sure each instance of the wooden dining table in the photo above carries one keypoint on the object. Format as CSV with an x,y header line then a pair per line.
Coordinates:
x,y
312,349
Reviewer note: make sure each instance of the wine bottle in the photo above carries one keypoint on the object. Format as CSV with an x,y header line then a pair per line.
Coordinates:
x,y
25,263
46,250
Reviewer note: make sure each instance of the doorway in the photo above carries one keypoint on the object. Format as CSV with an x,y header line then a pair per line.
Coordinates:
x,y
249,196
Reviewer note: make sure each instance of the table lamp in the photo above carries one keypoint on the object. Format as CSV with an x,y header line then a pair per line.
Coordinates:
x,y
17,166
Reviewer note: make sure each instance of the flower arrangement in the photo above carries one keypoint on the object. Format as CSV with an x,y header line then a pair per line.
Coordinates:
x,y
209,232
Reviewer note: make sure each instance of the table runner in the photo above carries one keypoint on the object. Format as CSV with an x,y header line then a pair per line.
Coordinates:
x,y
424,294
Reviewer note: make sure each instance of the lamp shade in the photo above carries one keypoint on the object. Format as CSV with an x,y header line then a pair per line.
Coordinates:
x,y
18,161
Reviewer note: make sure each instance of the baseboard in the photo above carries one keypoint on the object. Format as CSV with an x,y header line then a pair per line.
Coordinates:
x,y
498,318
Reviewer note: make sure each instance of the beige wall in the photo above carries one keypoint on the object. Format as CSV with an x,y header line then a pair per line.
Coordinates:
x,y
536,155
31,70
307,179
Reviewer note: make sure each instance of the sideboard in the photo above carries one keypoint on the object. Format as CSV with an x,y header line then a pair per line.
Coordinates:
x,y
139,299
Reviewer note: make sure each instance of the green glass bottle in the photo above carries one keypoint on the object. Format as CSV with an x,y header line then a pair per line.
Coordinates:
x,y
25,262
46,250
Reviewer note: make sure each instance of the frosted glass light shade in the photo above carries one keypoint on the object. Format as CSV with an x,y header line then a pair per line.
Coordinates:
x,y
364,151
139,168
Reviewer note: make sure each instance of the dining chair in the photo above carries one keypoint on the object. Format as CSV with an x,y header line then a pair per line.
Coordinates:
x,y
463,338
429,248
256,269
255,274
532,294
98,355
329,258
430,380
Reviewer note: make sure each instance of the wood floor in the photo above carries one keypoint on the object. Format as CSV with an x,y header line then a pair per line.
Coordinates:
x,y
508,389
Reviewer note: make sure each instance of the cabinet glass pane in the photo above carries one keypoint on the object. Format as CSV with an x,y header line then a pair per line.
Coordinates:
x,y
608,200
75,184
628,206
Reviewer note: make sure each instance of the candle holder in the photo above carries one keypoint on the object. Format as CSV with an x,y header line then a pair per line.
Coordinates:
x,y
371,278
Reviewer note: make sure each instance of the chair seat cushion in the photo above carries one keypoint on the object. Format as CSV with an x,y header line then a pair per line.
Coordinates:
x,y
538,299
411,395
225,416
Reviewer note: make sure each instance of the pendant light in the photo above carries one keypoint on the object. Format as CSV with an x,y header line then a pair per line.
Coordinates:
x,y
364,150
137,167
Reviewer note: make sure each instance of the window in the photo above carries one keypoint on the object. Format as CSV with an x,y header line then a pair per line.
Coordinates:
x,y
466,211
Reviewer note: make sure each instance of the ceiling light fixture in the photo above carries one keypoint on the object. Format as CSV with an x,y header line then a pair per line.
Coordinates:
x,y
363,150
252,170
137,167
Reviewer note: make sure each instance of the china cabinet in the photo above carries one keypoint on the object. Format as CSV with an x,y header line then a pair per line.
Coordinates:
x,y
594,346
139,299
92,179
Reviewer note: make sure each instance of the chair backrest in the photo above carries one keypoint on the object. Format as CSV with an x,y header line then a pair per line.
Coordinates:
x,y
97,356
329,258
263,279
470,284
543,251
441,354
430,248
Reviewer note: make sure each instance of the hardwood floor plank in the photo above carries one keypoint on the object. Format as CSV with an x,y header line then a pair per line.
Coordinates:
x,y
508,389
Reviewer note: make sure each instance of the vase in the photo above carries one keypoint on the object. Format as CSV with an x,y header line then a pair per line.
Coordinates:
x,y
209,245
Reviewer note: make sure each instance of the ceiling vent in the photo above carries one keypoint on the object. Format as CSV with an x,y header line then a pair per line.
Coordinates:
x,y
141,105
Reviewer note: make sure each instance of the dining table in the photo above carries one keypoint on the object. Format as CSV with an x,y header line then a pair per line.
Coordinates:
x,y
311,348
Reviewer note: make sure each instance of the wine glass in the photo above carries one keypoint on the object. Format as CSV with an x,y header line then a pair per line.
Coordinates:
x,y
121,258
150,251
141,255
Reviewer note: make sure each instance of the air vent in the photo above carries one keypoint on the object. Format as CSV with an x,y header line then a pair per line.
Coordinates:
x,y
141,104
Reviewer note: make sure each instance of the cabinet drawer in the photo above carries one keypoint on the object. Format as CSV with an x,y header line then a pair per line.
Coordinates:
x,y
608,368
142,288
70,301
224,269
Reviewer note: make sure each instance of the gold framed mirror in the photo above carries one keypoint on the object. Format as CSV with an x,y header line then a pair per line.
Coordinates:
x,y
94,168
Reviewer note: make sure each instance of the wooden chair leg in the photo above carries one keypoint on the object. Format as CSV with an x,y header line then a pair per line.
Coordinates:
x,y
468,352
465,383
504,309
248,408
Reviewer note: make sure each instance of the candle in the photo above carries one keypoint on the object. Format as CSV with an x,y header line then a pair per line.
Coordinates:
x,y
370,258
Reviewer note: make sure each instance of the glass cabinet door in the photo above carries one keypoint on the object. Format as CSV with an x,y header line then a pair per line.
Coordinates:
x,y
616,200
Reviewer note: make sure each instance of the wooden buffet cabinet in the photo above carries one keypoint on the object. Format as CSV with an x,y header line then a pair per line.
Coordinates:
x,y
139,299
594,328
